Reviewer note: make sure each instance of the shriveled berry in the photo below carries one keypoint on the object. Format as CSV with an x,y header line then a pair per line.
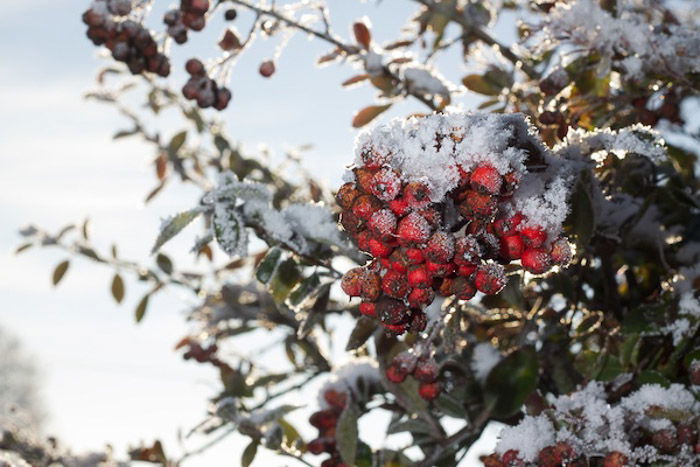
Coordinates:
x,y
615,459
439,269
512,247
687,435
370,284
560,252
463,288
418,277
386,184
352,282
440,248
413,230
477,204
350,222
395,284
485,178
364,179
665,440
444,287
391,311
230,14
489,279
346,195
429,391
419,321
536,261
433,217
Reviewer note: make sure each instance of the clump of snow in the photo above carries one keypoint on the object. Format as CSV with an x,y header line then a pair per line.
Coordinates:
x,y
636,38
355,377
425,80
484,358
635,139
592,426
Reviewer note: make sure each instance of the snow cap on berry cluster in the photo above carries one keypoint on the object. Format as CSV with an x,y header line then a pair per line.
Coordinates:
x,y
432,149
355,377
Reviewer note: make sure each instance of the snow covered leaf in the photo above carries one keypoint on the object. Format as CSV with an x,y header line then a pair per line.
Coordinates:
x,y
511,381
366,115
173,225
229,230
346,434
267,266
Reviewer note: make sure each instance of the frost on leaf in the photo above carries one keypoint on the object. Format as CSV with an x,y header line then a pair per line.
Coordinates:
x,y
636,139
229,230
173,225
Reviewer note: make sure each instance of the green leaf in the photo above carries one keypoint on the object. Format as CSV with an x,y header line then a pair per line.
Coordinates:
x,y
176,144
582,216
283,281
346,434
173,226
125,133
164,263
23,247
60,271
141,308
364,328
117,288
511,381
267,266
291,435
652,377
481,85
302,291
249,453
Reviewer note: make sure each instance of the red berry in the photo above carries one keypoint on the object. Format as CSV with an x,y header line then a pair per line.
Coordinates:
x,y
195,67
396,329
433,217
507,225
350,222
405,361
267,68
362,238
395,374
512,458
390,311
418,298
466,270
426,371
417,195
467,251
365,206
665,440
533,237
512,247
399,206
439,270
537,261
489,279
486,178
346,195
398,261
324,419
615,459
413,229
511,180
429,391
316,446
336,399
415,255
440,247
560,252
477,204
386,184
383,223
395,284
368,309
418,277
352,282
370,286
463,288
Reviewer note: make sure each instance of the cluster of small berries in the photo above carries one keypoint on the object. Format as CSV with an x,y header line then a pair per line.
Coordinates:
x,y
558,455
128,40
201,354
203,89
454,247
326,421
190,15
425,370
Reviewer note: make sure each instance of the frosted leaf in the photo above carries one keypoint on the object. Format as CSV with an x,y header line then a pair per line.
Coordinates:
x,y
635,139
229,230
314,222
424,80
229,187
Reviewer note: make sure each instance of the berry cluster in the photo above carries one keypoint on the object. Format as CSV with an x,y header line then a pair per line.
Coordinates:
x,y
203,89
128,40
190,16
325,421
453,246
424,370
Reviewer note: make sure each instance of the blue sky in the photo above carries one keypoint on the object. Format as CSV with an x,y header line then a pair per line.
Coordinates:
x,y
104,378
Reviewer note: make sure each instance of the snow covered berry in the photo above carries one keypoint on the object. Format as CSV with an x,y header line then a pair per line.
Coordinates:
x,y
536,261
440,248
489,279
486,178
413,230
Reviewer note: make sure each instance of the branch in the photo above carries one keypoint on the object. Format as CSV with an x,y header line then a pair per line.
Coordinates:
x,y
481,35
469,431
